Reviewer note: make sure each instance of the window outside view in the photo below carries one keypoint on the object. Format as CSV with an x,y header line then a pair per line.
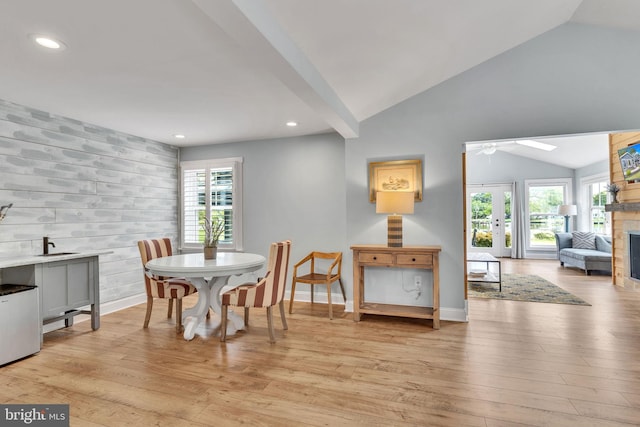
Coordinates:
x,y
196,207
544,220
598,195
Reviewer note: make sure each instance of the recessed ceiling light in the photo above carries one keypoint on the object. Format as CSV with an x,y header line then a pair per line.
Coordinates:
x,y
48,42
292,124
179,136
536,144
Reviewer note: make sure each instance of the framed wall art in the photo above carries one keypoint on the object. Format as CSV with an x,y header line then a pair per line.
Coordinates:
x,y
395,175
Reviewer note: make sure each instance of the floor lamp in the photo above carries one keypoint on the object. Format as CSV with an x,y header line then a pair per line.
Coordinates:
x,y
567,211
394,203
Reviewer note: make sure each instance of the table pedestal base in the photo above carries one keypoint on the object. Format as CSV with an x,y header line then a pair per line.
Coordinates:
x,y
209,296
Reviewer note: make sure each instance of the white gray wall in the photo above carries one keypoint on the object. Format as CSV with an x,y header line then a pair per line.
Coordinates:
x,y
87,188
293,188
505,168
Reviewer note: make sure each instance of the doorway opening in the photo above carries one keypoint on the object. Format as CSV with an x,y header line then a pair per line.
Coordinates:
x,y
489,219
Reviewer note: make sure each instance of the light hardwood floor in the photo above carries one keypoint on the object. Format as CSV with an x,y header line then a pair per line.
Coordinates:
x,y
513,364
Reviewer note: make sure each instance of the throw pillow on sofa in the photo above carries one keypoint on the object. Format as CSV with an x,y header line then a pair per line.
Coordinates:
x,y
602,245
583,240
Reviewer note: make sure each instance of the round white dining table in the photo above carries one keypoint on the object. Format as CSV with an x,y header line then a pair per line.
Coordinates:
x,y
209,276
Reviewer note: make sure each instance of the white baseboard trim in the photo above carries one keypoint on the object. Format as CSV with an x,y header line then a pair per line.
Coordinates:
x,y
454,314
121,304
305,296
449,314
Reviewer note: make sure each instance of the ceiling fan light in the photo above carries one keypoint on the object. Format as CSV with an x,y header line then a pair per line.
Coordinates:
x,y
536,144
489,148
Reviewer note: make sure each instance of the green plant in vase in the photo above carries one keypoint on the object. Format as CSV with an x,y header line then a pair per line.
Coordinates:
x,y
613,189
213,230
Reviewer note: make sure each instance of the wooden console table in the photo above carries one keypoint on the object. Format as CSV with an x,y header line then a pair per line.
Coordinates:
x,y
419,257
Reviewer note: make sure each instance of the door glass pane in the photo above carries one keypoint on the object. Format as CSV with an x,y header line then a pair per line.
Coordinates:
x,y
544,220
507,219
481,211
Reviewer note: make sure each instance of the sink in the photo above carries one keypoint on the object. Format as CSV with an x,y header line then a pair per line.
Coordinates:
x,y
59,253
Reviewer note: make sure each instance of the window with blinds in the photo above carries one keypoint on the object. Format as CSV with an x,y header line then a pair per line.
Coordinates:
x,y
211,189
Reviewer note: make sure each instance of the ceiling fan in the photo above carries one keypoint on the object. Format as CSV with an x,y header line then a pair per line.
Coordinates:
x,y
488,148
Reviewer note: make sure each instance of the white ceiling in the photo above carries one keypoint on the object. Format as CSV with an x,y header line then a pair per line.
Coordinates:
x,y
229,70
575,151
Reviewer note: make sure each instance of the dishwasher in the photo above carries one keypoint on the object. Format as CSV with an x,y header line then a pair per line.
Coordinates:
x,y
20,325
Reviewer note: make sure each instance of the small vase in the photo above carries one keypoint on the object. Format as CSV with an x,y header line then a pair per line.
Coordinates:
x,y
615,198
210,252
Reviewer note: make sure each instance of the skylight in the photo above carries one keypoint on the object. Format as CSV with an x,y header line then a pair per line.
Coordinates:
x,y
536,144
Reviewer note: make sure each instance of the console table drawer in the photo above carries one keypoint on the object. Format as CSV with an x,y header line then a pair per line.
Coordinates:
x,y
415,260
376,258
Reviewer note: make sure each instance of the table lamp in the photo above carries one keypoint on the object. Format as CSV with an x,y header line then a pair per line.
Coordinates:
x,y
394,203
567,211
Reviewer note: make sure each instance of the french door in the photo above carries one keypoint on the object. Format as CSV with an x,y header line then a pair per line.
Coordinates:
x,y
489,219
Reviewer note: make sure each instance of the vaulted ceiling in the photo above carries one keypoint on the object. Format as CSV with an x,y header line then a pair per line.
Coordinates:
x,y
230,70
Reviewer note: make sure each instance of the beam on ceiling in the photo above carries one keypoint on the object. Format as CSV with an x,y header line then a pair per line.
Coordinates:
x,y
250,24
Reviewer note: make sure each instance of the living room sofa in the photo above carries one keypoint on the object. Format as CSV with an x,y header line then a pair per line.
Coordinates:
x,y
588,251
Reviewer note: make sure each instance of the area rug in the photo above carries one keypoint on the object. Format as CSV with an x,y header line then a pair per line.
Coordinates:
x,y
524,287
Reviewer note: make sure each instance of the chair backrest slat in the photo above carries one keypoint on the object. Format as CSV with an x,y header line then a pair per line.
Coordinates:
x,y
269,291
278,264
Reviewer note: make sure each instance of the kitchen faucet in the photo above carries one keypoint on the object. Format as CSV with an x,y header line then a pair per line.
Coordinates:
x,y
45,245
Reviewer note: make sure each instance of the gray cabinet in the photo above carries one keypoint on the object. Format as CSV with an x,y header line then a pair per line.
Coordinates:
x,y
66,287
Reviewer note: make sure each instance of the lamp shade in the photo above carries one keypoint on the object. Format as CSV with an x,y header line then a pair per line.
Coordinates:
x,y
567,210
394,202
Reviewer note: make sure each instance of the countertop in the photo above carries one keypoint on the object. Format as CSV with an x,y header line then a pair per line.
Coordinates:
x,y
20,260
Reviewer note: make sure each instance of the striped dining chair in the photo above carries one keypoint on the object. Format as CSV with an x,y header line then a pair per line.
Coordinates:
x,y
171,288
267,292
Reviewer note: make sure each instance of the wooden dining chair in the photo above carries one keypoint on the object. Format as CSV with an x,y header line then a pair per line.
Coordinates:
x,y
313,277
171,288
267,292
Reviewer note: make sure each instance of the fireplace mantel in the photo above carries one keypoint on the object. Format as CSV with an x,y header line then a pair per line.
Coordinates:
x,y
623,207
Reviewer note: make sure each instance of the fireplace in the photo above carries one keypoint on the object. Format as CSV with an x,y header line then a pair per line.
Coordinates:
x,y
634,254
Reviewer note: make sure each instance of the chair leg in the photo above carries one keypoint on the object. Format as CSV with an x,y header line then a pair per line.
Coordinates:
x,y
330,305
344,295
147,317
170,308
284,319
272,335
312,294
223,323
178,315
293,292
246,316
